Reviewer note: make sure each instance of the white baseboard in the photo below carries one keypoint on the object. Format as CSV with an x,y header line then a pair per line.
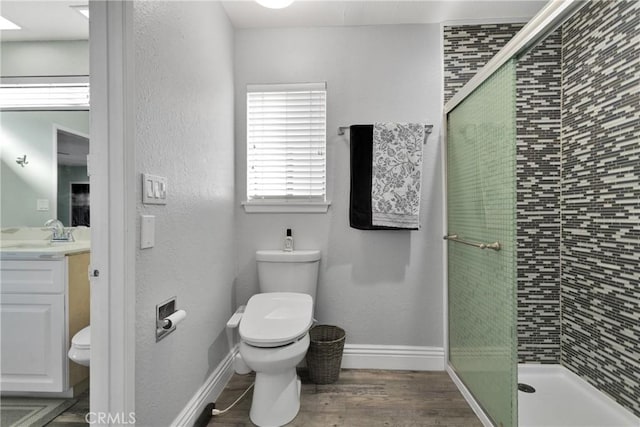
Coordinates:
x,y
208,392
484,418
394,357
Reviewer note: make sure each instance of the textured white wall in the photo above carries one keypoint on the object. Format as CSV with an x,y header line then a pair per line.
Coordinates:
x,y
382,287
184,131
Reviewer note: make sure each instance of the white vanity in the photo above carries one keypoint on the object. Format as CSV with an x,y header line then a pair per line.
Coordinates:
x,y
44,301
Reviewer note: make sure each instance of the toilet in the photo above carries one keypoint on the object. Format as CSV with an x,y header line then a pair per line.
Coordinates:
x,y
81,347
274,330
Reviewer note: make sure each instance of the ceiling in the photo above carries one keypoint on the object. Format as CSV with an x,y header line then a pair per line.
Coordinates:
x,y
310,13
56,20
44,20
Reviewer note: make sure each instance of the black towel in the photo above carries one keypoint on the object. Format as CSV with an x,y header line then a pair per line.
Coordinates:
x,y
361,142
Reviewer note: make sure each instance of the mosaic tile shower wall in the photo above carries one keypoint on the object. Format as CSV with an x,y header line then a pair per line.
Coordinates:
x,y
466,50
538,97
601,198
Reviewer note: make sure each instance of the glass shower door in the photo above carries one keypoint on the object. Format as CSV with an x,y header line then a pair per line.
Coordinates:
x,y
481,194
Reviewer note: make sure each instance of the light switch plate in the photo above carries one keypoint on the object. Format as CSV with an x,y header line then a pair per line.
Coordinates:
x,y
42,204
147,231
154,189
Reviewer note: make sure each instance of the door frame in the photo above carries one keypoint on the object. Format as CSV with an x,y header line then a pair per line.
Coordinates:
x,y
56,129
112,172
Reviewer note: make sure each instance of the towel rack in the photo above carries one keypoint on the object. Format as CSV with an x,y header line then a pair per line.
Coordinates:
x,y
427,130
454,238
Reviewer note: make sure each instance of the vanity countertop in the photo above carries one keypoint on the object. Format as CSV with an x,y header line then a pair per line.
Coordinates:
x,y
41,249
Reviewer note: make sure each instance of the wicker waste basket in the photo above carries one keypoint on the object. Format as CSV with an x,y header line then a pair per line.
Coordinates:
x,y
325,353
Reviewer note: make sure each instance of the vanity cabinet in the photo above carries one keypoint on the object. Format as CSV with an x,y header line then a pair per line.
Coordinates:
x,y
43,303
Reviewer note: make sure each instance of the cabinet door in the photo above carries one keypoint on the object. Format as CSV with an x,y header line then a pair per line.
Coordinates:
x,y
33,347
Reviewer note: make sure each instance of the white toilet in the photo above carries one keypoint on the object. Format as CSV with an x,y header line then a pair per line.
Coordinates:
x,y
274,332
81,347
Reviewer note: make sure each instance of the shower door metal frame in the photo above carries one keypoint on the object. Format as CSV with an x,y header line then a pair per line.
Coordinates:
x,y
550,17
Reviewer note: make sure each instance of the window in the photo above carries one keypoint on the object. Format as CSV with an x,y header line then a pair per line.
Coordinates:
x,y
286,146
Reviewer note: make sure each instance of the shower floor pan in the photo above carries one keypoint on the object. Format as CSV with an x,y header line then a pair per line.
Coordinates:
x,y
562,399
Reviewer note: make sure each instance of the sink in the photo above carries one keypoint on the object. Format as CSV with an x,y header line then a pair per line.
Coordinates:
x,y
27,249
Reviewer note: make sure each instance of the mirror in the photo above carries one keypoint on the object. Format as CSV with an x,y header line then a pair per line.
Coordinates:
x,y
51,181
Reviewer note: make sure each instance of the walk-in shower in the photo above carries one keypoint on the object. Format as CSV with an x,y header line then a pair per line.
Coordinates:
x,y
543,157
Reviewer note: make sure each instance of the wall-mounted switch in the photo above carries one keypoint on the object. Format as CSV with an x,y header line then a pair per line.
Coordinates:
x,y
147,231
154,189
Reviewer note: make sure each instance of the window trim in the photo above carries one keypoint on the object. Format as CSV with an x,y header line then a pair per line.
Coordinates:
x,y
285,206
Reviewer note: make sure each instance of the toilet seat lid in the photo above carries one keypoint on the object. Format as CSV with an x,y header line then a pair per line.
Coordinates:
x,y
82,339
276,318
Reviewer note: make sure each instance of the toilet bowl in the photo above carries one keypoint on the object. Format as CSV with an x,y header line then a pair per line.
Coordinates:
x,y
273,329
81,347
274,339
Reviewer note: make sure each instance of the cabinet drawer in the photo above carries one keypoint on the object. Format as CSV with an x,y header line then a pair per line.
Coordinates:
x,y
44,277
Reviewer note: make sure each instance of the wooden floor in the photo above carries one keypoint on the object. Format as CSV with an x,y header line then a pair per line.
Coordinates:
x,y
75,415
364,398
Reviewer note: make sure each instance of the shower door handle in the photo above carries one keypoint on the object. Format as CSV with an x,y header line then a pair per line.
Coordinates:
x,y
454,238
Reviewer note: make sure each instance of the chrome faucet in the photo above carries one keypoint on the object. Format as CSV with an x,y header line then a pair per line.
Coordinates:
x,y
59,232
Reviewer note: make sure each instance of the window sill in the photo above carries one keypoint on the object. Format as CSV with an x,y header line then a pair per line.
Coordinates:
x,y
281,206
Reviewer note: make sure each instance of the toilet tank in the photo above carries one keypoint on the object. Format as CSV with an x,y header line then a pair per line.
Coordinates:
x,y
295,271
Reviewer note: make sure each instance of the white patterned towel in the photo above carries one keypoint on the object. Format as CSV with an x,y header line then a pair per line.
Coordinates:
x,y
396,175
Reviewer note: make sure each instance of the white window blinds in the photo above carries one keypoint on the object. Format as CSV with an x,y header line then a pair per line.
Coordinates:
x,y
44,93
286,141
